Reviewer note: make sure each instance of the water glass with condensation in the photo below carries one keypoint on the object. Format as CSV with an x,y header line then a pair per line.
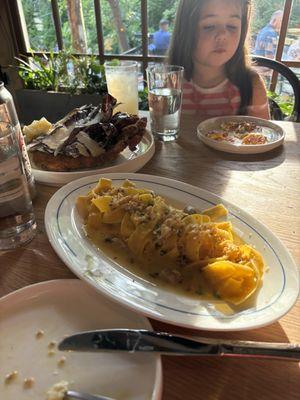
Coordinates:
x,y
122,84
17,220
165,94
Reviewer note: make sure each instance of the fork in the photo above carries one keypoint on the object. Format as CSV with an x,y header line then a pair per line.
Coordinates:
x,y
72,394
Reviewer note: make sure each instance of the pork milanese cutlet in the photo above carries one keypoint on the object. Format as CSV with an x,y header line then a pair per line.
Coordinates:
x,y
86,137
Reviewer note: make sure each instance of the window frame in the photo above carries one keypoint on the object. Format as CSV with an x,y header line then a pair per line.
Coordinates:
x,y
281,41
19,30
22,40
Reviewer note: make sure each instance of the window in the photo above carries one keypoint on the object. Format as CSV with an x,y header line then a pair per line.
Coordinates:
x,y
40,30
276,35
126,29
276,27
109,29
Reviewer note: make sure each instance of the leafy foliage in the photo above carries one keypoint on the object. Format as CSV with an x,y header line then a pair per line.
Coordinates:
x,y
40,24
41,73
41,32
63,72
285,105
158,9
143,100
89,74
66,73
263,10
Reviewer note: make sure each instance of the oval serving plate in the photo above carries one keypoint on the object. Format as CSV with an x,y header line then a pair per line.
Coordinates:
x,y
127,161
276,296
52,309
274,133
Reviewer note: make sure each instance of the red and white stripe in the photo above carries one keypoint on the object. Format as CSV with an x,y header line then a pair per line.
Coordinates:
x,y
223,99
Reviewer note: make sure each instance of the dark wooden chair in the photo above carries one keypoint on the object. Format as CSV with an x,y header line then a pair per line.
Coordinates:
x,y
291,77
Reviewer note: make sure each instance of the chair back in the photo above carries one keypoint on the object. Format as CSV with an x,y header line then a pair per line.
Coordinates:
x,y
290,76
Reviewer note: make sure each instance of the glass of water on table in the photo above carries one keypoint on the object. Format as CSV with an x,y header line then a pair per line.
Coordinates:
x,y
17,220
164,94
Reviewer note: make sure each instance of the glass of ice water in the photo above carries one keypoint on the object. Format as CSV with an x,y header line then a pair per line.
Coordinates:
x,y
17,221
164,94
122,83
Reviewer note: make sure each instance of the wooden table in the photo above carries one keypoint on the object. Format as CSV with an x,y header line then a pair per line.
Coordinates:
x,y
267,186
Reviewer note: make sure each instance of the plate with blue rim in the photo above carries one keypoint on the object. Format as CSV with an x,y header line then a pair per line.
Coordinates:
x,y
274,299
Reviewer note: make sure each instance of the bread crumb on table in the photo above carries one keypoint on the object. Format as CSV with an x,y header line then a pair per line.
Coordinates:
x,y
39,334
28,383
61,361
58,391
10,377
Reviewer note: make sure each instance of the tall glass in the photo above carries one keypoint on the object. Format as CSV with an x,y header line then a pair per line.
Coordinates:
x,y
165,94
122,83
17,221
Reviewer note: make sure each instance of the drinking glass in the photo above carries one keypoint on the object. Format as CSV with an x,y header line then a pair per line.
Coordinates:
x,y
122,83
17,221
164,94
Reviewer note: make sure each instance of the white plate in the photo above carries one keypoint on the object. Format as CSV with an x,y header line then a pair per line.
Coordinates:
x,y
276,297
274,133
127,161
60,308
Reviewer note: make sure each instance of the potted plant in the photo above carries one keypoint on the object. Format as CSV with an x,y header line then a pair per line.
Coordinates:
x,y
55,84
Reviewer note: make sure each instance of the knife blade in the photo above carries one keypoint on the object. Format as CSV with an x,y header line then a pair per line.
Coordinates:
x,y
139,340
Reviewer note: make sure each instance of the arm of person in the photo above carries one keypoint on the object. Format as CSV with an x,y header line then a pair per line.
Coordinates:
x,y
259,106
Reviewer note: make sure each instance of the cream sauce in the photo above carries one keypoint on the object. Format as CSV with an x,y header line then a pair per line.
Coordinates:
x,y
149,268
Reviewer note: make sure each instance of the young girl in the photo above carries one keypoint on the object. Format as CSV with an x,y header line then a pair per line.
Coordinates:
x,y
209,42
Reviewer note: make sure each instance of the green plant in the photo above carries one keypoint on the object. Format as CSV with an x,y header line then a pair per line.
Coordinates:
x,y
90,74
63,72
143,99
115,62
285,105
40,72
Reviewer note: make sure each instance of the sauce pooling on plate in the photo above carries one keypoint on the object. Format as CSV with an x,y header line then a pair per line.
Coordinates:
x,y
241,133
197,253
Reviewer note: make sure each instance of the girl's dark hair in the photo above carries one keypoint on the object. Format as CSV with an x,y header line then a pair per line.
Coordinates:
x,y
184,42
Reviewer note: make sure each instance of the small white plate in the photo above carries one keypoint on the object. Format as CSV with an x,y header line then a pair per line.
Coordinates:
x,y
127,161
59,308
277,295
273,132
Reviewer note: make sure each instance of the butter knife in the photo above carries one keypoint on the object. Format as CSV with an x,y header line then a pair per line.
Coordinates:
x,y
139,340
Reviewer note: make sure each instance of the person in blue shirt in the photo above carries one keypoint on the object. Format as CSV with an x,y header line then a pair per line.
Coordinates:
x,y
161,39
267,38
294,51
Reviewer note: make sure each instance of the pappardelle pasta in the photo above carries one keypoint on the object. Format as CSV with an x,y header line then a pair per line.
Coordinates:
x,y
194,251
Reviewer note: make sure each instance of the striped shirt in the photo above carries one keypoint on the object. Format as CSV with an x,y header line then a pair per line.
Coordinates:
x,y
223,99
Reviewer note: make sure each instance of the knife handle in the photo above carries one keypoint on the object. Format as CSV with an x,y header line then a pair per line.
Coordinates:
x,y
284,351
169,344
180,345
